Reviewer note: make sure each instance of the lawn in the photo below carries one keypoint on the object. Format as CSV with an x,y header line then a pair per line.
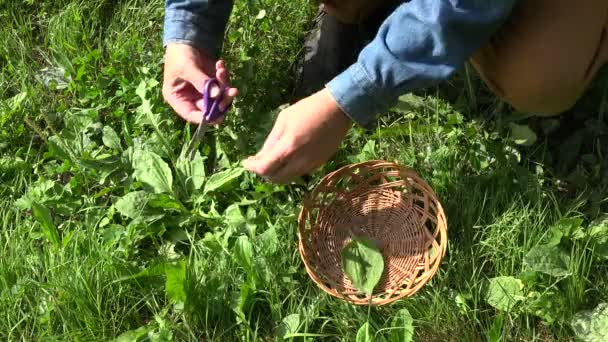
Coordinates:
x,y
107,232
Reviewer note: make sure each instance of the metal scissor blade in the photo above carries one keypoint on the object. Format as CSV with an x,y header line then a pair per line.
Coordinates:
x,y
198,136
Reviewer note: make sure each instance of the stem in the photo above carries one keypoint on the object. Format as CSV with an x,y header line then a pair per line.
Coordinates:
x,y
158,132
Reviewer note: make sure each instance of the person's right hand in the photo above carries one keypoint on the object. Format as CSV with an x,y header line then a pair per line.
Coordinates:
x,y
185,72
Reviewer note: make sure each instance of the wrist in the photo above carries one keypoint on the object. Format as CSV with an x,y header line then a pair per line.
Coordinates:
x,y
337,113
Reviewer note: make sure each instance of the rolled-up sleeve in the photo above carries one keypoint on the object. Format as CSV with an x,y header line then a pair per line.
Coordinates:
x,y
200,23
422,43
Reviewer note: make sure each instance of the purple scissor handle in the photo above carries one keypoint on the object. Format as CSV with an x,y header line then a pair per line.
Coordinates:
x,y
211,112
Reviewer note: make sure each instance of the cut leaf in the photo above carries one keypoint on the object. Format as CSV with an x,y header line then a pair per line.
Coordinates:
x,y
222,178
43,216
402,329
549,260
592,325
504,292
365,333
153,171
363,264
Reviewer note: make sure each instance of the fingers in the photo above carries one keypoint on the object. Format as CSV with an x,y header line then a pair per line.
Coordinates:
x,y
195,76
267,164
289,171
223,77
274,136
271,154
181,99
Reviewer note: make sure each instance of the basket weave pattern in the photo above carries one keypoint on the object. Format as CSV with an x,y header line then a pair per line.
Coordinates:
x,y
386,203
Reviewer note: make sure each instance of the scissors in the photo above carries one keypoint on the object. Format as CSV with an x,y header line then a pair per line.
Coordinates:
x,y
211,112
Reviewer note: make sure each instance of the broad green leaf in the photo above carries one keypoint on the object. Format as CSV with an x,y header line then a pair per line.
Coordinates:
x,y
402,329
222,178
289,325
134,335
555,236
548,259
550,306
234,217
37,192
110,138
592,325
365,333
598,232
269,241
14,103
10,164
504,292
363,264
368,152
495,332
408,103
43,216
59,149
522,134
153,171
243,253
133,204
164,201
601,250
570,227
241,301
192,172
176,283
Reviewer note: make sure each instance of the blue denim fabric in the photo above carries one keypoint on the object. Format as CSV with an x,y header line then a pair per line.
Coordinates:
x,y
422,43
200,23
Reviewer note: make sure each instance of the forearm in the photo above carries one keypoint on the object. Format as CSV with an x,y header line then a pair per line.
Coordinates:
x,y
421,43
200,23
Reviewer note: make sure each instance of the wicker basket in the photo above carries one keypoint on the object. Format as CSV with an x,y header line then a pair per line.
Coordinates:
x,y
382,201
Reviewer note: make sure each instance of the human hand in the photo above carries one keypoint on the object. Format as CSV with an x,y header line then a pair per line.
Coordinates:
x,y
305,135
185,72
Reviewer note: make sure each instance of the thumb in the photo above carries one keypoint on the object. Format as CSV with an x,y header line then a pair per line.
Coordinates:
x,y
194,75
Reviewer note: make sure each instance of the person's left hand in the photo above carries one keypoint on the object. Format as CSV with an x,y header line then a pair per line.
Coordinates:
x,y
305,135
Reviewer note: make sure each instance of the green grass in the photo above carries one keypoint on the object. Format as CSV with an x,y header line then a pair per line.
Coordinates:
x,y
502,200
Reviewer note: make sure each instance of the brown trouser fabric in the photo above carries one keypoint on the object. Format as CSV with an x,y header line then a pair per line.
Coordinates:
x,y
542,59
547,54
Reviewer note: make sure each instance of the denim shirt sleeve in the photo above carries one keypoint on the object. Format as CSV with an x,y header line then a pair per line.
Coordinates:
x,y
200,23
420,44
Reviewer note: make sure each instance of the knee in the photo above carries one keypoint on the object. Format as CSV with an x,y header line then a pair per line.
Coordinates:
x,y
543,93
542,100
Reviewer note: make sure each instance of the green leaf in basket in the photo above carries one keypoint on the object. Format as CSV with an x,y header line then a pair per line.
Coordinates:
x,y
363,264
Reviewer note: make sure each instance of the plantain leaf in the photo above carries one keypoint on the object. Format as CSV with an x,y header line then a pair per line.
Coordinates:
x,y
504,292
43,216
152,171
363,264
